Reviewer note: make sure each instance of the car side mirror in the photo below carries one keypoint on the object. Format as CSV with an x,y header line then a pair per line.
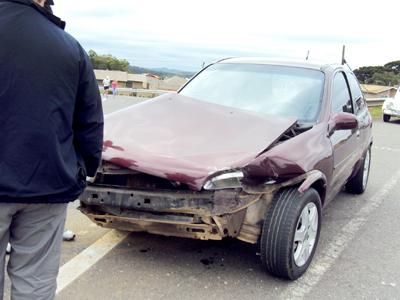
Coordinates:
x,y
343,121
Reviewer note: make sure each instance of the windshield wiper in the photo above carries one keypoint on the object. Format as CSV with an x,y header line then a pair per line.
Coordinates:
x,y
303,126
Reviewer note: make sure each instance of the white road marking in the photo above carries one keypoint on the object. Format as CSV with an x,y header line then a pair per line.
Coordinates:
x,y
74,268
387,149
87,258
303,286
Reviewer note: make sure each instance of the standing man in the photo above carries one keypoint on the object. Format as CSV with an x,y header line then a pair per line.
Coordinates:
x,y
106,85
51,131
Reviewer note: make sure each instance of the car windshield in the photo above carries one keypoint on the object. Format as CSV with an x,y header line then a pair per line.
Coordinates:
x,y
265,89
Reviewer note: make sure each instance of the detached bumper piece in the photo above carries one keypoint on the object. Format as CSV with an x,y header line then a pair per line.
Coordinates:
x,y
168,225
200,215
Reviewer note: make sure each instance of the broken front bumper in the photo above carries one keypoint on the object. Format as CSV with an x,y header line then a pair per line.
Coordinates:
x,y
201,215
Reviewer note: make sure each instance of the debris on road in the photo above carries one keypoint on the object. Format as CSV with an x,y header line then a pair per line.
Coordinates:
x,y
68,236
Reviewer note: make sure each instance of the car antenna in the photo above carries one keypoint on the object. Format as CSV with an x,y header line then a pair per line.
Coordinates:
x,y
308,54
343,52
344,62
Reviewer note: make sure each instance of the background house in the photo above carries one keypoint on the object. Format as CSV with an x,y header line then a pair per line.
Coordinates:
x,y
173,83
140,81
124,79
378,91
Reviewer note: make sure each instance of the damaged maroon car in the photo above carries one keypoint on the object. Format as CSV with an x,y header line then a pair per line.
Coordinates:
x,y
248,149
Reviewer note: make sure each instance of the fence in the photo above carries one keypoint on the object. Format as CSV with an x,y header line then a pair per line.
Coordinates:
x,y
144,93
371,102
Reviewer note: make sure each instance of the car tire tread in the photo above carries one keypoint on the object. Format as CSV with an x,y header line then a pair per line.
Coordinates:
x,y
386,118
278,232
355,184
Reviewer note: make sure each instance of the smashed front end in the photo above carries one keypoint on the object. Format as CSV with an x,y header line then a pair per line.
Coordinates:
x,y
129,200
170,176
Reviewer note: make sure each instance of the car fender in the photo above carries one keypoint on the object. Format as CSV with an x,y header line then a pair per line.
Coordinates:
x,y
315,179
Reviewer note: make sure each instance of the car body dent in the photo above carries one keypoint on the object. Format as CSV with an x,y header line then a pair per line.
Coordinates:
x,y
309,151
198,153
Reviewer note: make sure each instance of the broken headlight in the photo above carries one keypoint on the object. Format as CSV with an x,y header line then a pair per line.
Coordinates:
x,y
229,180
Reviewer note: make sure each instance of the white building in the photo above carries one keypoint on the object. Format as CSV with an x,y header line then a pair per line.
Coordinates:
x,y
140,81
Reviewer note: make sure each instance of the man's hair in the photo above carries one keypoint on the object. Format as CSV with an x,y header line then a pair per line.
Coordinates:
x,y
47,6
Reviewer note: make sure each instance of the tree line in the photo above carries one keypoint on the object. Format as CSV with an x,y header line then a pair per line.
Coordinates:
x,y
108,62
388,74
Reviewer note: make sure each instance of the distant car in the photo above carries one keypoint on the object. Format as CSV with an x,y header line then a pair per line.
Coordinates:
x,y
391,107
249,149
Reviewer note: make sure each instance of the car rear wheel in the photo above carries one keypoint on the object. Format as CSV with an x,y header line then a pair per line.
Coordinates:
x,y
290,233
358,183
386,118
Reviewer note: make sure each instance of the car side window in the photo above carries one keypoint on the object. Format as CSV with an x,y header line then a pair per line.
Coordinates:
x,y
341,100
356,93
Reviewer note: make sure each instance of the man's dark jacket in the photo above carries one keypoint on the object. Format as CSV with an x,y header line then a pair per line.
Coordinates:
x,y
51,119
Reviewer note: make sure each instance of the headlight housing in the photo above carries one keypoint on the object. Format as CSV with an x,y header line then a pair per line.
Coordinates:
x,y
388,105
228,180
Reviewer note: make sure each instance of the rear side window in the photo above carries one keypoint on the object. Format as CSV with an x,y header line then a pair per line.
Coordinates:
x,y
341,100
356,93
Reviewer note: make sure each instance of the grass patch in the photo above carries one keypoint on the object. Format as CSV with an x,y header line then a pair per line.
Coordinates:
x,y
376,112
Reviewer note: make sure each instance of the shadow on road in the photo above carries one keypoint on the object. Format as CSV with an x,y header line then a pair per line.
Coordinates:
x,y
204,256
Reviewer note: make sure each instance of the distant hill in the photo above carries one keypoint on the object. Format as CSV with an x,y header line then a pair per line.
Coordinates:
x,y
110,62
161,72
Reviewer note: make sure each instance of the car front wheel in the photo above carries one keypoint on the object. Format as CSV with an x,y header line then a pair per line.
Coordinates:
x,y
290,233
386,118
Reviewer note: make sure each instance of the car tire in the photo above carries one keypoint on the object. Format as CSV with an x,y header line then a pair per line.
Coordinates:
x,y
358,183
386,118
285,235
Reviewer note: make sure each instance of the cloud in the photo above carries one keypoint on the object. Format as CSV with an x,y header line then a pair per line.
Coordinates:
x,y
183,34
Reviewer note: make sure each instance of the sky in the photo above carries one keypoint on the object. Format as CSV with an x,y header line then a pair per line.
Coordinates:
x,y
180,34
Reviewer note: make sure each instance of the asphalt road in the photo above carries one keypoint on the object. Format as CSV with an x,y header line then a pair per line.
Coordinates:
x,y
357,257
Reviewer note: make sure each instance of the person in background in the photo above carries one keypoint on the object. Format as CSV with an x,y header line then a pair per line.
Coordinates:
x,y
51,138
114,86
106,86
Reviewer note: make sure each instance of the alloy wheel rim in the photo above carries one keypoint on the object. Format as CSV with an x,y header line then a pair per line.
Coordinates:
x,y
306,234
367,161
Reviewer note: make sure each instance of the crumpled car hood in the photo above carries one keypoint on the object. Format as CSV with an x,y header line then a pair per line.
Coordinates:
x,y
187,140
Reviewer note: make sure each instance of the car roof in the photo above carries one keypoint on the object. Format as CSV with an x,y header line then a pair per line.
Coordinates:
x,y
290,63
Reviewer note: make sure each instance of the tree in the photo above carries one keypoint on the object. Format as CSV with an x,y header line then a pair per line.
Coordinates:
x,y
386,78
393,66
107,62
365,74
389,74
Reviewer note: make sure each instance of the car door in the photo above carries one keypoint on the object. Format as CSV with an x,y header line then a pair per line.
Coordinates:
x,y
344,142
361,111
